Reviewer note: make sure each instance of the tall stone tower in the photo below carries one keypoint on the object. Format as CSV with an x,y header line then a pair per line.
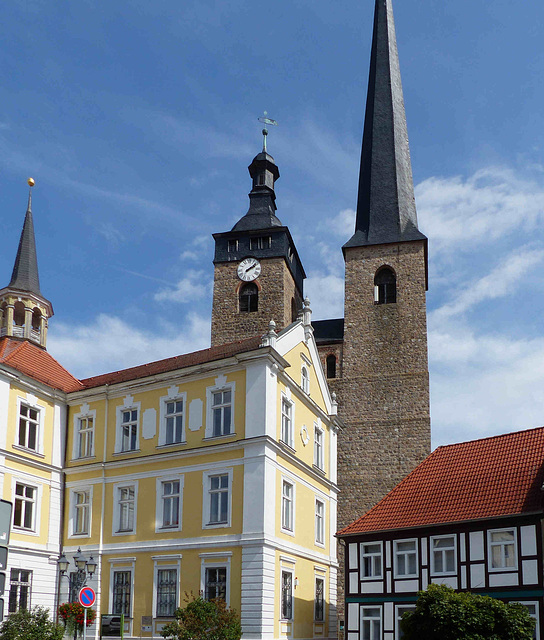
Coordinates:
x,y
258,275
24,311
376,356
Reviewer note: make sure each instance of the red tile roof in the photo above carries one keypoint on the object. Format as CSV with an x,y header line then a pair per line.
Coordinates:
x,y
484,478
177,362
36,363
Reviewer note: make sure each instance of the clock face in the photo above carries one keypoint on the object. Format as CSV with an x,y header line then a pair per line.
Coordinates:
x,y
249,269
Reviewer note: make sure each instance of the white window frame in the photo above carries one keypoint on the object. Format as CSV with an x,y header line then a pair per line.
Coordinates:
x,y
398,616
18,584
117,508
221,384
36,512
320,576
72,533
305,378
84,414
434,571
159,515
320,522
215,560
290,571
173,396
167,563
31,402
289,433
491,544
206,502
372,619
319,447
115,567
372,556
536,617
128,405
291,508
396,555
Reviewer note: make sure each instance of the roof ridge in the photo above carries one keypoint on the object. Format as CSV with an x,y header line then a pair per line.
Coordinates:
x,y
16,350
494,437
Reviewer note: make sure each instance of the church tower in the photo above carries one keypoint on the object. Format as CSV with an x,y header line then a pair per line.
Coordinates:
x,y
376,356
258,274
24,311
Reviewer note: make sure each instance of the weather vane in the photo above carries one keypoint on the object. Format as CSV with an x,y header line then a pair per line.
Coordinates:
x,y
266,120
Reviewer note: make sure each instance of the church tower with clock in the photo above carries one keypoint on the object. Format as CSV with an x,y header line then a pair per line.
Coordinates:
x,y
258,273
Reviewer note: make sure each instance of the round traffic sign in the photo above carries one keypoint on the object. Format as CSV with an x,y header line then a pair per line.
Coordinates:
x,y
87,596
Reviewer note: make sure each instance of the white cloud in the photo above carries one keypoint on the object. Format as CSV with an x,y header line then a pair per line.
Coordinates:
x,y
341,225
109,343
194,286
326,294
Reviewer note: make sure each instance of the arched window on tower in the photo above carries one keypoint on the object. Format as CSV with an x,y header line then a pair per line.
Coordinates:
x,y
249,298
385,286
331,366
18,319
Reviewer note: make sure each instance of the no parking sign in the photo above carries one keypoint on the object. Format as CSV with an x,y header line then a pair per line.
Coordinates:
x,y
87,597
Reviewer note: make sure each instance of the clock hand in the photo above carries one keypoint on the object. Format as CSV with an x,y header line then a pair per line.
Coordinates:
x,y
249,268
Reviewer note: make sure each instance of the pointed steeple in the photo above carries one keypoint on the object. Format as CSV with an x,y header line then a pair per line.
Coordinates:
x,y
386,210
25,270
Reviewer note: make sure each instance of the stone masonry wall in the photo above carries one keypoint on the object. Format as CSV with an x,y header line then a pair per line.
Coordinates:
x,y
276,289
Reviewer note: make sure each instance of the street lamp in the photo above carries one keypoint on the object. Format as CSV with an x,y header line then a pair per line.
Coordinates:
x,y
85,569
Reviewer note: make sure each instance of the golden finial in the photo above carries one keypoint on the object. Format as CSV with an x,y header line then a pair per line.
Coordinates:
x,y
31,182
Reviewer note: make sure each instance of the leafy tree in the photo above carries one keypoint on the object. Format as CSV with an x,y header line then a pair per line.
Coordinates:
x,y
204,620
444,614
73,616
30,625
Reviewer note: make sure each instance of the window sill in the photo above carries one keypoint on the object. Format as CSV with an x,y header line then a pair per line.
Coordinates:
x,y
288,532
167,529
28,532
169,445
502,569
319,469
320,544
121,453
129,532
83,458
217,525
32,452
288,446
222,436
79,535
412,576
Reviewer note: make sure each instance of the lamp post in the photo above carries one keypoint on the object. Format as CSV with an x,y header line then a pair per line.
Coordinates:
x,y
85,569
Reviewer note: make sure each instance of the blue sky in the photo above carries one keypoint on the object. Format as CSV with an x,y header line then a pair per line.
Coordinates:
x,y
138,120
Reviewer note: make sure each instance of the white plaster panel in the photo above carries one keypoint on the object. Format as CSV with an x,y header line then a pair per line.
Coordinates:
x,y
59,431
477,576
149,424
196,407
352,555
372,587
389,581
389,615
256,399
451,581
254,489
406,586
462,549
354,582
530,571
353,636
528,540
503,579
476,542
388,554
463,577
388,635
424,551
4,401
353,616
425,578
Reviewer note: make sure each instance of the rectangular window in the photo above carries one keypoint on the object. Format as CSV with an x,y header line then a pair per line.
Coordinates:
x,y
318,447
222,412
400,611
319,522
286,595
319,605
219,499
121,593
170,503
232,246
287,519
371,560
502,547
443,554
20,582
405,558
262,242
305,380
216,583
532,608
129,430
28,427
82,512
286,422
174,422
24,511
85,437
371,623
126,508
167,588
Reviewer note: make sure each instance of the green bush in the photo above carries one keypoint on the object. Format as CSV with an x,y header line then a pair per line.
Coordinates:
x,y
30,625
204,620
444,614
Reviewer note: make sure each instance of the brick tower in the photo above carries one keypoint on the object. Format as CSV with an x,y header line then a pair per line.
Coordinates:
x,y
258,274
376,356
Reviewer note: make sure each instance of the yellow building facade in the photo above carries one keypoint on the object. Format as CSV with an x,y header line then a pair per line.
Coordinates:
x,y
212,473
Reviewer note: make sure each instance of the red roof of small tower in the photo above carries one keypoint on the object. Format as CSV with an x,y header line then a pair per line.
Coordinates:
x,y
486,478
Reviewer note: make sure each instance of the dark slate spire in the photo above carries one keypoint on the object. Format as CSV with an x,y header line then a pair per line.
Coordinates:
x,y
25,271
262,198
386,210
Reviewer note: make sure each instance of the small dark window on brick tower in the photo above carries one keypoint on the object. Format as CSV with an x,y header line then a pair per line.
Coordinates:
x,y
294,310
385,286
249,298
331,366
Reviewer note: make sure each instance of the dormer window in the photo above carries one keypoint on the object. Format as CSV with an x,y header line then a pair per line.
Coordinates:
x,y
385,286
249,298
232,246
